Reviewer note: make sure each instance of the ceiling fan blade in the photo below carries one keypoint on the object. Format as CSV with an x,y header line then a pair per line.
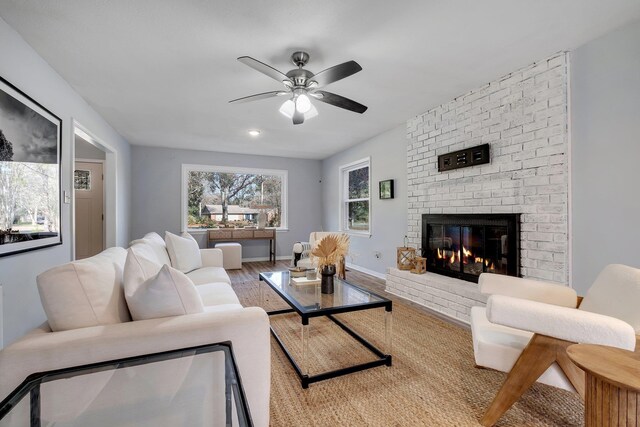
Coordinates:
x,y
298,117
264,68
258,96
336,73
340,101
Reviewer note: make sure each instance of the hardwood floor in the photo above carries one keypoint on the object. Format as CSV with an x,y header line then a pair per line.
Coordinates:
x,y
251,270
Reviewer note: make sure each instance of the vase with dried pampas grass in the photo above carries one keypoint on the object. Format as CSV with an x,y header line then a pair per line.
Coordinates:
x,y
330,251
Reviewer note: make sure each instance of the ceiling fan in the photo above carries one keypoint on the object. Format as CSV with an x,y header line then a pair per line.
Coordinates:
x,y
300,84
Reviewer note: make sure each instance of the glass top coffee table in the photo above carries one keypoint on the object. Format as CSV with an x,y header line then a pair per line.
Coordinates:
x,y
308,302
124,392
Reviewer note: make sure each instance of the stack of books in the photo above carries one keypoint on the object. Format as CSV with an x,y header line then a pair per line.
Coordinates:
x,y
304,281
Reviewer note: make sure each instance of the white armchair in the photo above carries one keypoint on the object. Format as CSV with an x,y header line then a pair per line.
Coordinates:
x,y
302,251
527,326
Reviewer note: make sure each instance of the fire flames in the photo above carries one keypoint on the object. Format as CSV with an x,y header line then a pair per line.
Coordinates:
x,y
453,257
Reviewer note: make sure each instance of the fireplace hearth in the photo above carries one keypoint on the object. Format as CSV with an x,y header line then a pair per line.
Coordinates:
x,y
466,245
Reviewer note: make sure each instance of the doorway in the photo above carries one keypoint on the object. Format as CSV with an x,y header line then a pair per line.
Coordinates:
x,y
94,198
88,187
89,208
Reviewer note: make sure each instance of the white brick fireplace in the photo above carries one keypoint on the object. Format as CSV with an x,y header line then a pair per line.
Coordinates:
x,y
523,117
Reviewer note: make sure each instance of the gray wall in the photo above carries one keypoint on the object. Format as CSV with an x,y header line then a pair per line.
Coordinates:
x,y
388,152
605,104
85,150
24,68
156,186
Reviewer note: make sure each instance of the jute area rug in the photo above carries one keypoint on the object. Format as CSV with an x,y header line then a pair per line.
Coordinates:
x,y
433,381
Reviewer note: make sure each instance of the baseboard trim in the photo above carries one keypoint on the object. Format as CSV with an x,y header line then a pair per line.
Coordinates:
x,y
258,259
365,270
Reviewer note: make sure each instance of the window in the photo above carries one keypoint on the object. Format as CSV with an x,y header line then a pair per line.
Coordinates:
x,y
354,197
82,180
218,196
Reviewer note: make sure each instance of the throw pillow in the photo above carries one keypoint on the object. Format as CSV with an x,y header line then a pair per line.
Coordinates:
x,y
154,291
184,251
140,265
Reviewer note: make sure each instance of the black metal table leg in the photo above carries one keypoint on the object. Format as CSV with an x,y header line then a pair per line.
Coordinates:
x,y
35,406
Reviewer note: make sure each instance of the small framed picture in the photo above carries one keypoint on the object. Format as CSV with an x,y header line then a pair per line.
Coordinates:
x,y
386,189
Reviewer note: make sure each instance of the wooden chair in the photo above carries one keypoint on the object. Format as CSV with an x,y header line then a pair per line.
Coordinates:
x,y
527,326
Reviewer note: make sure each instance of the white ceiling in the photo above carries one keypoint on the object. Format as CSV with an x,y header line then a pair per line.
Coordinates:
x,y
161,71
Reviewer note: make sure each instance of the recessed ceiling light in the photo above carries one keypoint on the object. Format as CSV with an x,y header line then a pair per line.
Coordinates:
x,y
254,132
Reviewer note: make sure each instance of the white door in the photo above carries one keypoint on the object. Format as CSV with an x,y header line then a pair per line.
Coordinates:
x,y
88,186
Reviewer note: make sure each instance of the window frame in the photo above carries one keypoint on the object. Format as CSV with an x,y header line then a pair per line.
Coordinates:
x,y
343,196
186,168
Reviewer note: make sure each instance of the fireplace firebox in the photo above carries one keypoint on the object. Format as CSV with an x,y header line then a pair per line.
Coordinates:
x,y
466,245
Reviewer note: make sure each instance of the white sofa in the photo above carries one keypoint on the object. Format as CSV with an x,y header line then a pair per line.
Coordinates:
x,y
109,334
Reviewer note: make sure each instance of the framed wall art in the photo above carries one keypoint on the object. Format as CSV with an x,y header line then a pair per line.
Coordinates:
x,y
30,188
386,189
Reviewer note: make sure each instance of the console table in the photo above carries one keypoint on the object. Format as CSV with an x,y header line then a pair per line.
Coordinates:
x,y
235,234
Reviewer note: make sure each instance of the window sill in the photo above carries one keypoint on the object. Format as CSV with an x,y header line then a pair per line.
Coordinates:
x,y
205,230
357,233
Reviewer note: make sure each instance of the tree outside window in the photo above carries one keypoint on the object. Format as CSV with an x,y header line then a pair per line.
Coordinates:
x,y
226,198
29,196
355,196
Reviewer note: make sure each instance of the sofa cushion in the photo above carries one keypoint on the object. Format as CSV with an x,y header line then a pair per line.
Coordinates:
x,y
85,293
154,248
184,251
222,308
214,294
167,293
155,237
209,275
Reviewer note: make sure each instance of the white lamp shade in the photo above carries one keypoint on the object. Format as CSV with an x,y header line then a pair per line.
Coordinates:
x,y
311,113
303,104
288,108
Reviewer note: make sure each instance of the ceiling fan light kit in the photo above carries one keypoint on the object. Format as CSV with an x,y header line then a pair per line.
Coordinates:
x,y
301,84
289,108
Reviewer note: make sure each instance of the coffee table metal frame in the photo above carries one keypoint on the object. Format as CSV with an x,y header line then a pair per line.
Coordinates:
x,y
234,391
382,357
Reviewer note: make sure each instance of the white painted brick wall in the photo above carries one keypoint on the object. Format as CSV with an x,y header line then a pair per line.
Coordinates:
x,y
523,117
446,295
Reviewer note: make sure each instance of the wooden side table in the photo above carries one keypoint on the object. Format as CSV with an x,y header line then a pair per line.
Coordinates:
x,y
612,384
